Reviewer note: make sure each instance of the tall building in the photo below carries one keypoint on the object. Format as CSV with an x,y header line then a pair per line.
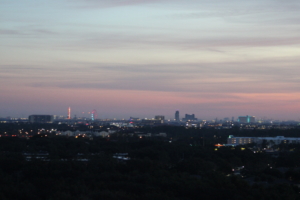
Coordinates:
x,y
94,114
69,113
189,117
177,116
41,118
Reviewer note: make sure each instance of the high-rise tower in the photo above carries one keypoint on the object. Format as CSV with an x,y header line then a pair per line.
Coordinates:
x,y
94,114
177,116
69,113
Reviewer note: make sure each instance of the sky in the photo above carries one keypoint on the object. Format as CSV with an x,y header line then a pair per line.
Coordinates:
x,y
141,58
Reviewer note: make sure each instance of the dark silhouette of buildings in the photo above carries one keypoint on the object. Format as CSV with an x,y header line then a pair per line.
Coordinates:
x,y
189,117
159,117
41,118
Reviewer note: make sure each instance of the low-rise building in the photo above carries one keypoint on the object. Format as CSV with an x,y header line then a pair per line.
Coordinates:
x,y
41,118
231,140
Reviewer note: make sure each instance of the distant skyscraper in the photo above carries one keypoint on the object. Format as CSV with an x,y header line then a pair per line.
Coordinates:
x,y
94,114
69,113
177,116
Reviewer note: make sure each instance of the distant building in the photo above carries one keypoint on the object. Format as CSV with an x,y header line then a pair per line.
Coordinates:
x,y
191,123
226,119
41,118
151,122
177,116
94,115
134,118
159,117
189,117
246,119
231,140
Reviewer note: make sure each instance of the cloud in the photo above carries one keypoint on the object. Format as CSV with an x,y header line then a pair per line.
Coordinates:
x,y
27,33
120,41
184,77
231,7
10,32
95,4
258,76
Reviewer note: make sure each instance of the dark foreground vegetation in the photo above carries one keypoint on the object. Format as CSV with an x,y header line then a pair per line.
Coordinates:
x,y
58,167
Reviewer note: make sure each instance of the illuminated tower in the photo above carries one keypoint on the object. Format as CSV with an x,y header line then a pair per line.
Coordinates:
x,y
69,113
94,114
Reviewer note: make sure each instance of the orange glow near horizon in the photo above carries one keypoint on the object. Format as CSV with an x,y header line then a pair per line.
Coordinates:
x,y
120,103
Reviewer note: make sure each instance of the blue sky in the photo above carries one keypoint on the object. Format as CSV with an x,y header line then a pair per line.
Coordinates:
x,y
142,58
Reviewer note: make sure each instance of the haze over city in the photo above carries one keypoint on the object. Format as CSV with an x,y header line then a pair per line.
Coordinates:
x,y
145,58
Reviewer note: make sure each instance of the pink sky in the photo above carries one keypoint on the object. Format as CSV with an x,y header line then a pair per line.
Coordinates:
x,y
146,58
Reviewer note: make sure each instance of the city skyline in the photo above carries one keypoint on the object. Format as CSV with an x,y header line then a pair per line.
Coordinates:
x,y
145,58
177,117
